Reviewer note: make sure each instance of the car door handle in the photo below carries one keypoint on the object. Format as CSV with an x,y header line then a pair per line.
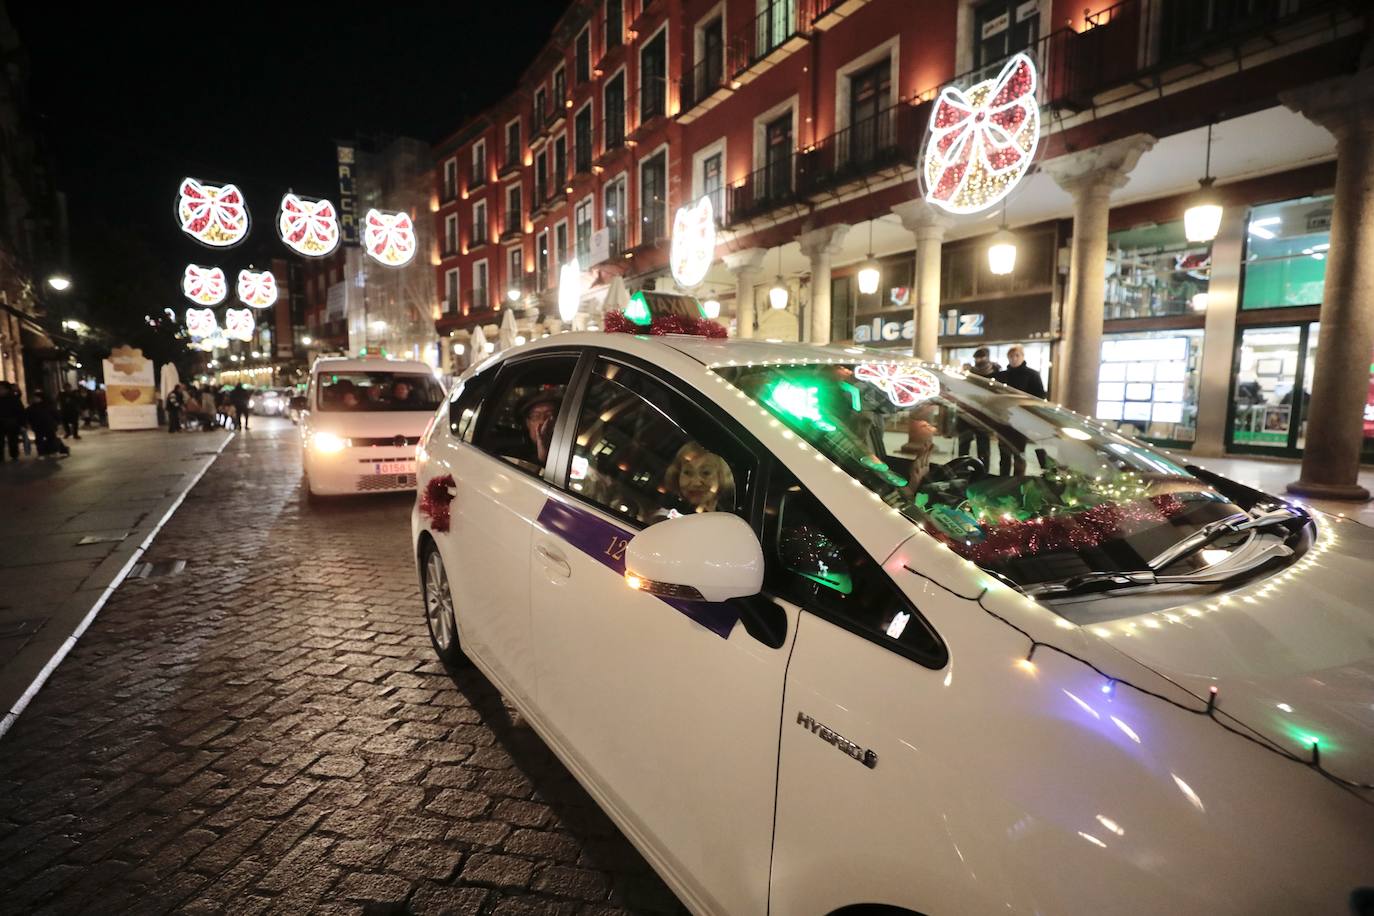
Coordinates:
x,y
554,561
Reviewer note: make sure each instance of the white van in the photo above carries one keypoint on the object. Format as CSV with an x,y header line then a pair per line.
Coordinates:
x,y
361,421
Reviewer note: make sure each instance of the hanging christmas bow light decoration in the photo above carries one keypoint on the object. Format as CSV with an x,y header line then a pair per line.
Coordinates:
x,y
212,215
308,227
904,385
201,324
204,285
257,288
981,142
239,324
694,243
389,237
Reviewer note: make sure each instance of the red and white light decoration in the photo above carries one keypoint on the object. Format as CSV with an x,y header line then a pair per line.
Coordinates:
x,y
257,288
239,324
694,243
981,141
308,227
213,215
389,238
201,324
203,285
904,385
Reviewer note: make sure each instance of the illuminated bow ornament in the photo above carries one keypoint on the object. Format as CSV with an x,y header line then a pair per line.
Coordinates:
x,y
200,323
239,324
389,237
694,243
203,284
982,141
257,288
310,227
214,216
904,385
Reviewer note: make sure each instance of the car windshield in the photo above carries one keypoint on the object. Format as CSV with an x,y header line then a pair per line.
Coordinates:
x,y
1025,489
364,392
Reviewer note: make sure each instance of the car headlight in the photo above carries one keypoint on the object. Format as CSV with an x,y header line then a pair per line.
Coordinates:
x,y
327,442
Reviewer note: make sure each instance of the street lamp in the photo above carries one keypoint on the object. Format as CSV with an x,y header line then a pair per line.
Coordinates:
x,y
777,296
1002,248
59,282
1202,219
307,340
869,274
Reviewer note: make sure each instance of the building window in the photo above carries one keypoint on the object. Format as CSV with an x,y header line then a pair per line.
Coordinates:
x,y
713,183
560,88
777,158
653,198
582,232
514,212
615,24
653,81
450,179
582,140
1003,27
871,128
513,144
1285,253
560,162
613,198
451,290
479,164
450,233
613,107
479,223
541,178
1148,384
515,270
560,243
1155,270
583,53
481,297
541,260
711,66
775,21
541,108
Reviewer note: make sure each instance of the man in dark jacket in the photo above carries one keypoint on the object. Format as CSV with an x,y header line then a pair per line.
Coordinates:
x,y
1020,376
69,402
12,419
176,403
43,421
240,397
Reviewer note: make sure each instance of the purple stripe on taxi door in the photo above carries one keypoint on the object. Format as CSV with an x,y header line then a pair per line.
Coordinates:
x,y
606,543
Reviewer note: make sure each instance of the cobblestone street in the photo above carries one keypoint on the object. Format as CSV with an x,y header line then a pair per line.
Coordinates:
x,y
269,730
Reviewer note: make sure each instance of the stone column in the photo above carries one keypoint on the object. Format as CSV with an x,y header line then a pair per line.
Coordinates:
x,y
820,245
1340,385
928,225
747,266
1090,176
1219,334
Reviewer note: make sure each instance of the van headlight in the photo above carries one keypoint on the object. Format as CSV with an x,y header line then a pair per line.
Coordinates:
x,y
328,443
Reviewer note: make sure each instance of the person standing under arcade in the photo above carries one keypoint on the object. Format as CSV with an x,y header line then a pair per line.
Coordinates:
x,y
1011,446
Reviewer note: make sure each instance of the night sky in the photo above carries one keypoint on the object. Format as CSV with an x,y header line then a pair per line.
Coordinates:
x,y
253,93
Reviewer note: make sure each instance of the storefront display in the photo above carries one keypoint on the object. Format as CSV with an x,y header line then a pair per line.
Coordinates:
x,y
1148,384
1285,253
1266,414
1154,270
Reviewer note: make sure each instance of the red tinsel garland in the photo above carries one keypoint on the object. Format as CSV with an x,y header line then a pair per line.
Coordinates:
x,y
436,501
1065,533
617,323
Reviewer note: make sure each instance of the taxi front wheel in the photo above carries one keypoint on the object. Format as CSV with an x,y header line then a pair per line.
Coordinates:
x,y
439,616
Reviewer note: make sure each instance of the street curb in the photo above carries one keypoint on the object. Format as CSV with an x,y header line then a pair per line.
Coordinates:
x,y
68,643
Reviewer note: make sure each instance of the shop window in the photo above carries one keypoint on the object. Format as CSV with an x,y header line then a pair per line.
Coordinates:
x,y
1285,253
1148,384
1155,270
644,453
518,420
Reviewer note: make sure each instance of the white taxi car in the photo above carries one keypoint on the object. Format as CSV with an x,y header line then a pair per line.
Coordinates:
x,y
830,632
360,420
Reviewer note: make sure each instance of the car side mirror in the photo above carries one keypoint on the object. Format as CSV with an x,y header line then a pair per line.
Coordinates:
x,y
298,402
710,556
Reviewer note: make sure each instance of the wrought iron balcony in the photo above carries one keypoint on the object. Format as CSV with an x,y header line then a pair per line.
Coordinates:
x,y
764,189
886,140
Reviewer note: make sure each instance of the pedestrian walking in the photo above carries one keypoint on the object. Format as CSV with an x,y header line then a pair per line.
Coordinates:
x,y
209,408
101,406
43,421
176,403
239,397
69,405
88,408
969,433
12,420
1011,447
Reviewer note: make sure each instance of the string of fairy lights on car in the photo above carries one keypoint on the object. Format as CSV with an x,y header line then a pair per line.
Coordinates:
x,y
216,216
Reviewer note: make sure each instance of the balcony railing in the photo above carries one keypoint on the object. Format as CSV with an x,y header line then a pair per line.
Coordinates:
x,y
702,81
617,238
582,153
479,298
890,138
512,161
512,227
653,98
653,222
612,132
449,248
478,176
449,193
764,189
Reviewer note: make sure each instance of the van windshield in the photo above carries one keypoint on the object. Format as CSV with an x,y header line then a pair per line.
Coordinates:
x,y
366,392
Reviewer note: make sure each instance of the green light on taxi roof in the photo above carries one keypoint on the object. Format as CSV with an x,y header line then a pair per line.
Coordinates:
x,y
638,309
801,402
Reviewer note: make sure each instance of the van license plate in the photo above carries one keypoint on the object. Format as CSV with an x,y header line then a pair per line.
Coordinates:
x,y
393,467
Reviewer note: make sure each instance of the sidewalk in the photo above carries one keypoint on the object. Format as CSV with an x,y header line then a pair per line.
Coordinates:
x,y
71,529
1272,475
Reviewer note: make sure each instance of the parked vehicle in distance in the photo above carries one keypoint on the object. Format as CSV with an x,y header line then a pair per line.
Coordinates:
x,y
269,402
827,631
360,420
